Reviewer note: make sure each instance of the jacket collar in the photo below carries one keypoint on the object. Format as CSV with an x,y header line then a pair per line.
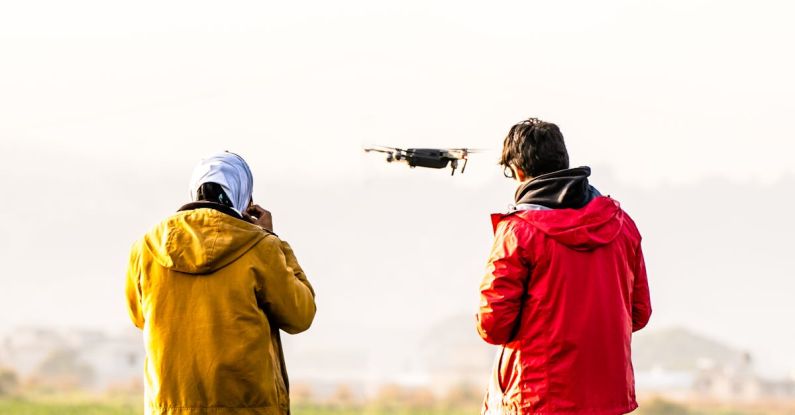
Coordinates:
x,y
203,204
562,189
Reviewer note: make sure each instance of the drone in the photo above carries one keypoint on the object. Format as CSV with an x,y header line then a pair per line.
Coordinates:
x,y
433,158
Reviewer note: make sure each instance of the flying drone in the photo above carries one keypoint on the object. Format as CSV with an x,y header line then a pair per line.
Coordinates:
x,y
432,158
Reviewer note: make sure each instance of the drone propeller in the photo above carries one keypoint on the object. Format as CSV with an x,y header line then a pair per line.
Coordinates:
x,y
469,150
380,149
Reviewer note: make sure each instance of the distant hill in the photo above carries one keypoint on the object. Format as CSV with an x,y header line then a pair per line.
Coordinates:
x,y
453,344
678,349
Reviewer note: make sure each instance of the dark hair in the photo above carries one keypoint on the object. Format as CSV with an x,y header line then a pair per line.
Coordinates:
x,y
536,147
213,192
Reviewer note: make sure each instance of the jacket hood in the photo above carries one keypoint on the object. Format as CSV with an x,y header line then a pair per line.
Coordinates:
x,y
561,189
201,240
595,225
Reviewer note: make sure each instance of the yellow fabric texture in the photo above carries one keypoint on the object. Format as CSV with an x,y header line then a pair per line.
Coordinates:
x,y
211,293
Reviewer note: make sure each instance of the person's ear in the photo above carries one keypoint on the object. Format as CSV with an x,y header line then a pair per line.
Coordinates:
x,y
519,174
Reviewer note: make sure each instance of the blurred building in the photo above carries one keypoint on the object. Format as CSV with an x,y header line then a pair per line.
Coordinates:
x,y
678,364
453,356
88,359
447,359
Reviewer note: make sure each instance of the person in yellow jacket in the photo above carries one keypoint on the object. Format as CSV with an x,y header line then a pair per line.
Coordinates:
x,y
211,286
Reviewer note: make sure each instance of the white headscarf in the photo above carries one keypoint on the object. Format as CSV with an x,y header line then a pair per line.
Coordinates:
x,y
228,170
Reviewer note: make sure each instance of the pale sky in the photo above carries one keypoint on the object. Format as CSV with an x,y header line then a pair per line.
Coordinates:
x,y
105,107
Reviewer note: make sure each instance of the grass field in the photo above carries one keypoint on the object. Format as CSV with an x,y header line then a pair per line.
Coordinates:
x,y
70,405
26,407
20,406
85,406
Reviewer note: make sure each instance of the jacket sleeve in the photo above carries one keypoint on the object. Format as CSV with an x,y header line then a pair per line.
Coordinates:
x,y
133,287
283,289
641,301
502,288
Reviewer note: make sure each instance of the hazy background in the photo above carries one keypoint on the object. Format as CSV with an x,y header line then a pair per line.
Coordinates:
x,y
682,108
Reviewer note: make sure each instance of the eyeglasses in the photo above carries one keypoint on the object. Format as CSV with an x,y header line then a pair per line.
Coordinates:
x,y
508,172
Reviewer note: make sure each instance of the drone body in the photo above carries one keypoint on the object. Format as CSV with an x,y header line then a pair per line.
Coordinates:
x,y
433,158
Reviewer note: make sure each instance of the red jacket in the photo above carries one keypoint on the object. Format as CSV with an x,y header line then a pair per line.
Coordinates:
x,y
564,292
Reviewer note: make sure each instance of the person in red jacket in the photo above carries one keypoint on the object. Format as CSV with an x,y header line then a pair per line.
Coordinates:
x,y
564,290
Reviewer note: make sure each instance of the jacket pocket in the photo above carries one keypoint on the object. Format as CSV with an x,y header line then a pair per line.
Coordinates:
x,y
279,371
507,373
492,404
504,392
499,371
503,379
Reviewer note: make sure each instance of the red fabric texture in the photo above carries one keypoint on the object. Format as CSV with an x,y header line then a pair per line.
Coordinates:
x,y
564,291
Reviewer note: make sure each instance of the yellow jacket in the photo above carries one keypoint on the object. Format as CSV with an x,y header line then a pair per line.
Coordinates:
x,y
210,292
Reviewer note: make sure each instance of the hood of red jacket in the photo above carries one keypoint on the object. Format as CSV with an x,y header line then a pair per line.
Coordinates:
x,y
596,224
